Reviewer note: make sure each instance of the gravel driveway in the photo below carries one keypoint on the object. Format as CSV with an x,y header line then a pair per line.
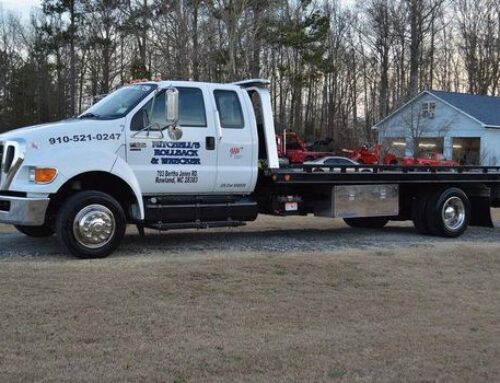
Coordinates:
x,y
267,234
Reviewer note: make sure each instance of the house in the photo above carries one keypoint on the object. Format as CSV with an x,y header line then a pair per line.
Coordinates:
x,y
463,127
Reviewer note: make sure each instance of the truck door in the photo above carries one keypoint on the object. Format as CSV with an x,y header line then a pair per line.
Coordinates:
x,y
237,147
166,163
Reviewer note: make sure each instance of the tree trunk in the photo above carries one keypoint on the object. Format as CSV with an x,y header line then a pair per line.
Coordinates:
x,y
72,64
415,43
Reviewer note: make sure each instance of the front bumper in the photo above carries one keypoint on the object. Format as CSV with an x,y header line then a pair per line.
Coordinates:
x,y
23,211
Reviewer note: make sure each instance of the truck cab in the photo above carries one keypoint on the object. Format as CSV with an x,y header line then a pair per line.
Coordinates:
x,y
158,154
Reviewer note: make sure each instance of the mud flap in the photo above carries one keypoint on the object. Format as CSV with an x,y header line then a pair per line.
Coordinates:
x,y
480,211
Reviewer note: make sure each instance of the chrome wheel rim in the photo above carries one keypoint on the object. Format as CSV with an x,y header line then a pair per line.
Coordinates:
x,y
453,213
94,226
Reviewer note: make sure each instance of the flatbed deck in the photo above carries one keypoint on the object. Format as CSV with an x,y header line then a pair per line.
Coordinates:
x,y
377,174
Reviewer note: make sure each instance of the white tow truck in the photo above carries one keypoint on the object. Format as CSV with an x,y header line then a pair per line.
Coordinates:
x,y
173,155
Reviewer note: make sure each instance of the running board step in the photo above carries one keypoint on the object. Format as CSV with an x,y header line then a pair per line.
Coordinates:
x,y
194,225
206,209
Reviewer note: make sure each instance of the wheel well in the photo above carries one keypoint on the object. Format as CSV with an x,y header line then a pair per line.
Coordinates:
x,y
99,181
479,195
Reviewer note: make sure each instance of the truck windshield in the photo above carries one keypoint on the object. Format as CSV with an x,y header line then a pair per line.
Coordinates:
x,y
118,104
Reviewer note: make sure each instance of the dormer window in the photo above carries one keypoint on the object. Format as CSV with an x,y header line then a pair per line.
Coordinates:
x,y
428,109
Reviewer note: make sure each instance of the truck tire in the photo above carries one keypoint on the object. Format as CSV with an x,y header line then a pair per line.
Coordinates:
x,y
418,213
91,224
36,231
367,223
448,212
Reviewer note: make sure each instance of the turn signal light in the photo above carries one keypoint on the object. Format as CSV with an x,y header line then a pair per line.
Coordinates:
x,y
43,175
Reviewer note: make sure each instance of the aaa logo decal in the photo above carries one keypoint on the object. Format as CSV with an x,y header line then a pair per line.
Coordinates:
x,y
235,152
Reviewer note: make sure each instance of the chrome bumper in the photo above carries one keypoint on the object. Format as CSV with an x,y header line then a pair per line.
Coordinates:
x,y
23,211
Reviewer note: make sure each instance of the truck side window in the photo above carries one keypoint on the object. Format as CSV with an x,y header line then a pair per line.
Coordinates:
x,y
191,110
230,112
145,116
292,143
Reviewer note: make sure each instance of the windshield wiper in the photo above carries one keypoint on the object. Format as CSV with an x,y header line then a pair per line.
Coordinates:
x,y
90,115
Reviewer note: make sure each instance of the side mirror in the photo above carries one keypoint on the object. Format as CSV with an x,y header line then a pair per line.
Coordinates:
x,y
171,106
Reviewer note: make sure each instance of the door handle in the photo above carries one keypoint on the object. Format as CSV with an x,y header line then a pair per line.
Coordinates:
x,y
210,143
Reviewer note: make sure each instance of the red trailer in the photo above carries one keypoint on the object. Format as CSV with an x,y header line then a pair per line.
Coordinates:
x,y
373,156
291,146
428,159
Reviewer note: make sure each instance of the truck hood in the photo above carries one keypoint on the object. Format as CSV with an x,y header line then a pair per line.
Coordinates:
x,y
62,128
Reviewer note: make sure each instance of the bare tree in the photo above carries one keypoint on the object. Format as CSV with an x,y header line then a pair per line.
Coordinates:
x,y
422,14
479,24
335,69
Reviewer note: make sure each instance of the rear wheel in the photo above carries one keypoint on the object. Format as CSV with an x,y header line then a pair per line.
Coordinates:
x,y
448,213
91,224
367,223
36,231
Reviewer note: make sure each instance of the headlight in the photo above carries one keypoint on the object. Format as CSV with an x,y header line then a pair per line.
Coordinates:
x,y
43,176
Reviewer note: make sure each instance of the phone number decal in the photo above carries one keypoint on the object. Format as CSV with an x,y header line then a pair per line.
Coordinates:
x,y
85,138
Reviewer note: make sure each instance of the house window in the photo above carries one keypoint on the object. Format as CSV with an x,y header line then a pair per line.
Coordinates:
x,y
428,109
467,151
426,146
395,145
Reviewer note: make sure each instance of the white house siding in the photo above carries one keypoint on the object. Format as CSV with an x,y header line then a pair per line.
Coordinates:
x,y
490,147
459,125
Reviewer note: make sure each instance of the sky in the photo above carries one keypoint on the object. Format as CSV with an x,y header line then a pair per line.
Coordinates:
x,y
22,7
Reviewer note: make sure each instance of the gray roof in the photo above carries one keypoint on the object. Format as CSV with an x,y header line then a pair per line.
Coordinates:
x,y
483,108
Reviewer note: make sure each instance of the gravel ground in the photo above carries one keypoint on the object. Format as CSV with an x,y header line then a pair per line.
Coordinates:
x,y
267,234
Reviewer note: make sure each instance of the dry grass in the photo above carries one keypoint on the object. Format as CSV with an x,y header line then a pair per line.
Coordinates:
x,y
429,313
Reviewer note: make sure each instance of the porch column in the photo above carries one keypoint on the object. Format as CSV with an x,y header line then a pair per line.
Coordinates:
x,y
448,147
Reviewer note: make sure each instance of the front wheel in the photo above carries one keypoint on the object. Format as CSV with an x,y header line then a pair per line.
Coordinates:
x,y
91,224
36,231
367,223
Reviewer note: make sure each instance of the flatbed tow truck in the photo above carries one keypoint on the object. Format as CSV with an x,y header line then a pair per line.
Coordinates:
x,y
173,155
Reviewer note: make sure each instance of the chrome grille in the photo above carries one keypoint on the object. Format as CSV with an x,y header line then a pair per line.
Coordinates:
x,y
12,157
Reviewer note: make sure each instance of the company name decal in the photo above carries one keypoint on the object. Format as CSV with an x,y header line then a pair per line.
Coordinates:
x,y
176,153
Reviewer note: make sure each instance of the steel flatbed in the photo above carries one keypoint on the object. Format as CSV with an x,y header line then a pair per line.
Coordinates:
x,y
378,174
